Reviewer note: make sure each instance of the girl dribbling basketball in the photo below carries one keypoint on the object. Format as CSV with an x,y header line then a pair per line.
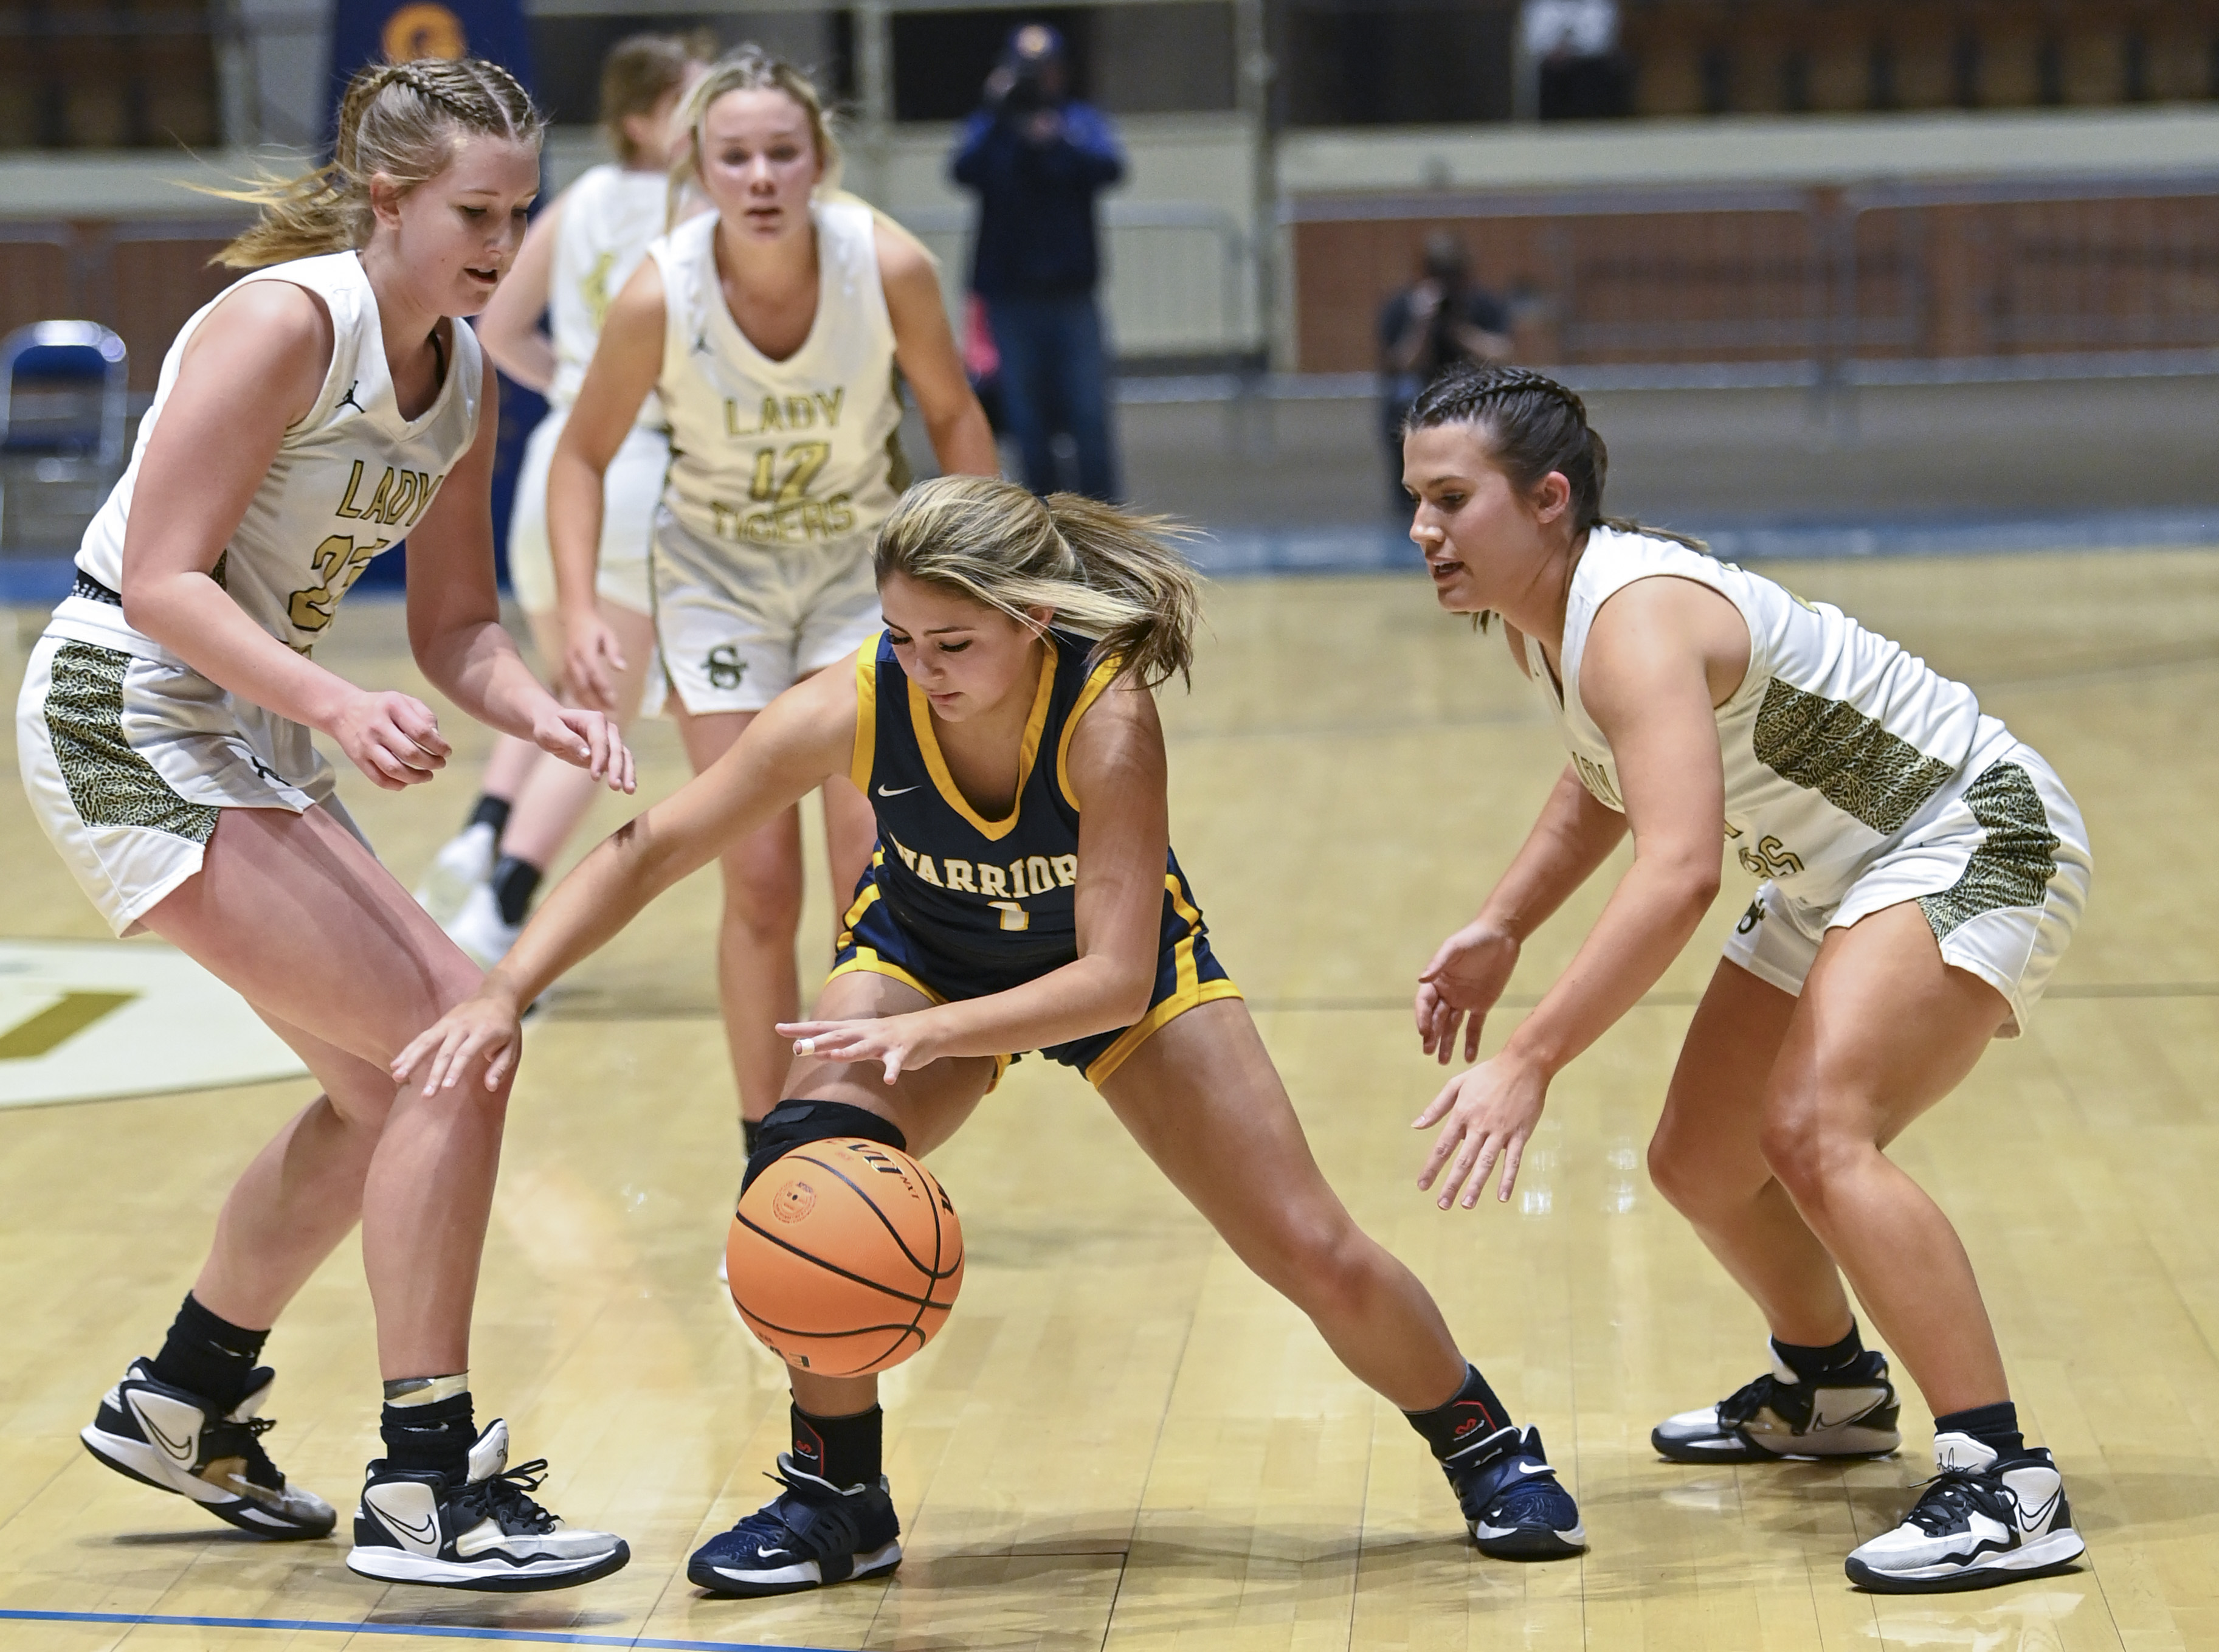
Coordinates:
x,y
1022,896
773,331
325,406
1922,874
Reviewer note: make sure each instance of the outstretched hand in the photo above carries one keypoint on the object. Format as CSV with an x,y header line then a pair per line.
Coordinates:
x,y
898,1044
1490,1111
1465,979
590,740
484,1027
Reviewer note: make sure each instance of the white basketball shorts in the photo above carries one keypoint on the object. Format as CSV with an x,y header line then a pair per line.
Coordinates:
x,y
739,624
631,491
129,762
2001,870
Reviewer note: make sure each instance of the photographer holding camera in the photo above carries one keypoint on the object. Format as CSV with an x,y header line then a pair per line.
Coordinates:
x,y
1037,155
1441,320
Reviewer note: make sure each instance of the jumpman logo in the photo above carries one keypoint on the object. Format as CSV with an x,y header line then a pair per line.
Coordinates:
x,y
348,400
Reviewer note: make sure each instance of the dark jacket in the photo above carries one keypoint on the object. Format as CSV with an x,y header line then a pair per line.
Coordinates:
x,y
1036,235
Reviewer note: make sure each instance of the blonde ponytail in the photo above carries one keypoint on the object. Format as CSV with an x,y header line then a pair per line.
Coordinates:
x,y
1110,575
401,119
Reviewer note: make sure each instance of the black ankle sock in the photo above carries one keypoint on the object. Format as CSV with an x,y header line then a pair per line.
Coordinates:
x,y
1808,1364
207,1355
438,1436
842,1449
489,810
750,1133
1471,1414
1995,1426
513,884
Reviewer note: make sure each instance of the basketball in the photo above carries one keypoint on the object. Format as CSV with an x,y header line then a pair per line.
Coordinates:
x,y
845,1257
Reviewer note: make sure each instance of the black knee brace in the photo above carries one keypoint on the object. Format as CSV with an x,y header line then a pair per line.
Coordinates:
x,y
799,1122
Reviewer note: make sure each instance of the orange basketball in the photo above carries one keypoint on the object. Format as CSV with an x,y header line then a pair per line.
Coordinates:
x,y
845,1257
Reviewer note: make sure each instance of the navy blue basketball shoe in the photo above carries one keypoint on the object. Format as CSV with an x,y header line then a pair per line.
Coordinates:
x,y
810,1534
1512,1501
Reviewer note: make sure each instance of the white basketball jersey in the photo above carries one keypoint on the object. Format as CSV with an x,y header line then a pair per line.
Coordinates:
x,y
348,481
1836,741
795,452
609,217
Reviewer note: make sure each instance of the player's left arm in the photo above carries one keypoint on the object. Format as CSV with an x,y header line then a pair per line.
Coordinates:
x,y
1654,657
1118,774
454,619
924,349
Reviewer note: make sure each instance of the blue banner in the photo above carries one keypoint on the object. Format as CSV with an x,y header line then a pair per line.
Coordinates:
x,y
394,31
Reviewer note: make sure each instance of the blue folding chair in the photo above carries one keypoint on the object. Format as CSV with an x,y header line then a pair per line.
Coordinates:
x,y
65,400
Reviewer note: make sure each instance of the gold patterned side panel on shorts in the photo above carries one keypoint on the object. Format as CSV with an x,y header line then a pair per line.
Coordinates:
x,y
2013,865
1846,757
109,784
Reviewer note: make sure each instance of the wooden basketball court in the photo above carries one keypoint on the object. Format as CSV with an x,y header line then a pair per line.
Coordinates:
x,y
1122,1440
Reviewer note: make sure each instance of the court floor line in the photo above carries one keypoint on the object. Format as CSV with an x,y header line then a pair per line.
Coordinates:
x,y
443,1631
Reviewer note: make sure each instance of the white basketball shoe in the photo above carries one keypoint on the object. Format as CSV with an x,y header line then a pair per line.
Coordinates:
x,y
464,863
414,1526
1978,1522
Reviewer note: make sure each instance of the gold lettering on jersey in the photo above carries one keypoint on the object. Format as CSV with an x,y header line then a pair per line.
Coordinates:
x,y
399,495
1042,875
1014,916
799,523
778,415
339,561
1770,859
958,874
991,881
1066,870
923,864
595,288
346,505
1596,779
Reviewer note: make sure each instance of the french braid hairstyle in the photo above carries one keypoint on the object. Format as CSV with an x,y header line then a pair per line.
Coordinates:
x,y
403,120
1111,575
1534,426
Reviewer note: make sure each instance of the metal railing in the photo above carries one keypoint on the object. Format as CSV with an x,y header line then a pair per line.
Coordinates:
x,y
1893,283
1178,281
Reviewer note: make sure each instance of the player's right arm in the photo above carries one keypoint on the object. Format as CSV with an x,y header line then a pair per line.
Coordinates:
x,y
509,327
627,361
805,736
252,370
1469,969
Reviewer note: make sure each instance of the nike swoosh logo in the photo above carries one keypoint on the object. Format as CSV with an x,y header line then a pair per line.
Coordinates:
x,y
771,1554
430,1530
1820,1420
180,1452
903,792
2031,1521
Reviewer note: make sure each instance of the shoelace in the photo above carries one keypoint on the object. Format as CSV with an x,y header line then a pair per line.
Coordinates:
x,y
1745,1402
506,1497
248,1438
1943,1501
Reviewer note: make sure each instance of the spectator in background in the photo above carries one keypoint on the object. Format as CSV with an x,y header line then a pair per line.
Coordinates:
x,y
1037,156
1444,318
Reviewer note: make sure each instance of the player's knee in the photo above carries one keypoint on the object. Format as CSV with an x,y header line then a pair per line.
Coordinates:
x,y
798,1123
1675,1170
763,898
1802,1149
1327,1267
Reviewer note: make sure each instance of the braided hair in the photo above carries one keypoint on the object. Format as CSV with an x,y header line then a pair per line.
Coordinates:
x,y
403,120
1535,426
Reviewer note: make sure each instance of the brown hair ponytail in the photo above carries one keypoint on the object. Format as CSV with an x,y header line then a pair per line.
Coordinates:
x,y
1110,574
401,119
1534,426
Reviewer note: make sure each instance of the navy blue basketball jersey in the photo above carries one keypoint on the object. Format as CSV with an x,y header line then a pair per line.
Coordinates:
x,y
990,898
